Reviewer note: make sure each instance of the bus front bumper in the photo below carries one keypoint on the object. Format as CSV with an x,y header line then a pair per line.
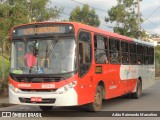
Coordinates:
x,y
69,98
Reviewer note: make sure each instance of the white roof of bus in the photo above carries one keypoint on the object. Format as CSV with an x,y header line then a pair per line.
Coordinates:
x,y
153,43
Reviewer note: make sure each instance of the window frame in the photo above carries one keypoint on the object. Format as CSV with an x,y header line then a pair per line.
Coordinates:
x,y
140,50
111,51
150,55
133,53
125,52
105,49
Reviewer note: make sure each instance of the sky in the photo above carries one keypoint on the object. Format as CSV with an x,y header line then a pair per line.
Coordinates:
x,y
150,10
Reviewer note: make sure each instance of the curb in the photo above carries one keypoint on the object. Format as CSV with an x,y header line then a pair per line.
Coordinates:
x,y
4,101
6,105
157,78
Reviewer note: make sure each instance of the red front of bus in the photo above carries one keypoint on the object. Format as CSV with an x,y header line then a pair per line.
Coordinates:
x,y
44,67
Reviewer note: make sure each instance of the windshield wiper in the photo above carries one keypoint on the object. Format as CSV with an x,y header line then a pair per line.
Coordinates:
x,y
51,47
48,52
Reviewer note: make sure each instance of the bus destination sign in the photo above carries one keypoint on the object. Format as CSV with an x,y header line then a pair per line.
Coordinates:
x,y
41,30
32,30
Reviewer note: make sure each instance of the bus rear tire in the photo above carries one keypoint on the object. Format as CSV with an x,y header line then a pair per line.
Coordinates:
x,y
97,104
137,94
46,108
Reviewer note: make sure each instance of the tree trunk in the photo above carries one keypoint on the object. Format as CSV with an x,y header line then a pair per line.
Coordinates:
x,y
3,59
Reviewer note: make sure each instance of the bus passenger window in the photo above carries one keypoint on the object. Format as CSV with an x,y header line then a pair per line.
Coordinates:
x,y
140,54
114,50
101,49
146,58
133,57
125,54
150,55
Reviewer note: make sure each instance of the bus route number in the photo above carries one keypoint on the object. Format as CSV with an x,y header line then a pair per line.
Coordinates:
x,y
48,85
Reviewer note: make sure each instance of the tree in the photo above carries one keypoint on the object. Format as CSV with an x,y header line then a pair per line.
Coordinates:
x,y
125,18
85,15
37,10
157,61
15,12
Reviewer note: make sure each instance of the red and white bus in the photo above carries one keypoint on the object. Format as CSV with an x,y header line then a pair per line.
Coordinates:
x,y
72,64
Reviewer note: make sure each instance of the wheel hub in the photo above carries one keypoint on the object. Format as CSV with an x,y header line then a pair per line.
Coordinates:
x,y
97,98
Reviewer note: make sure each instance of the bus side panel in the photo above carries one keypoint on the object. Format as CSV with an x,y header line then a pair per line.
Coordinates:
x,y
114,85
148,76
120,80
113,80
85,88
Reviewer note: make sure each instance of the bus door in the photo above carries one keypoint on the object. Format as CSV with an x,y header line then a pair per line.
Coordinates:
x,y
85,57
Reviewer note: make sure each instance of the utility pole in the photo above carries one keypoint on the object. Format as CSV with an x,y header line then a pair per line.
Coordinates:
x,y
139,18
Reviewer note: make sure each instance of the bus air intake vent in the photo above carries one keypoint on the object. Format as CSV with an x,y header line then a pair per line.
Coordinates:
x,y
38,80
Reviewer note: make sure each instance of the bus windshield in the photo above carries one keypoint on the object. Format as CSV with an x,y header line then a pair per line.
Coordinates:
x,y
43,56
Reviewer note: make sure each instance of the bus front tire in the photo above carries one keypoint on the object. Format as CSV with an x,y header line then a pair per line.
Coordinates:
x,y
46,108
97,104
137,94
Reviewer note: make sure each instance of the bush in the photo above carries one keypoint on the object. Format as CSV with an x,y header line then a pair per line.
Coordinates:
x,y
7,68
157,61
4,83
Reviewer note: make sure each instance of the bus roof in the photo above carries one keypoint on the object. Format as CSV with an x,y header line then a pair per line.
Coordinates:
x,y
153,43
94,29
103,32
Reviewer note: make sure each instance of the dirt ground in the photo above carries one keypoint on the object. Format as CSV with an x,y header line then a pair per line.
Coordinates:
x,y
157,73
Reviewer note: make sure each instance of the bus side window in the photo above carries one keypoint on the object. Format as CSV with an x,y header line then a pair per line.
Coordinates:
x,y
150,55
114,48
133,57
101,49
139,54
125,52
84,52
146,61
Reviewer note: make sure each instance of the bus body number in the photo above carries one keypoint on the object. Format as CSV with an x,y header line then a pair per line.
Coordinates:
x,y
48,85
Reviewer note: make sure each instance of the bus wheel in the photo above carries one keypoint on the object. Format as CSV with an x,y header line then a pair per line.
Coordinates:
x,y
46,108
138,92
97,104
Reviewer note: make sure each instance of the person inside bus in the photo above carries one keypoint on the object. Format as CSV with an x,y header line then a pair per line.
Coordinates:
x,y
102,58
114,55
30,58
106,47
139,60
106,59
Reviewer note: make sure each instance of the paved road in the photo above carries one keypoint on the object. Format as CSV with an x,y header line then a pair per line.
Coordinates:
x,y
150,101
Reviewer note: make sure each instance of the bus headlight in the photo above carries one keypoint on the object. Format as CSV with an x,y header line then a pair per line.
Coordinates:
x,y
67,87
14,88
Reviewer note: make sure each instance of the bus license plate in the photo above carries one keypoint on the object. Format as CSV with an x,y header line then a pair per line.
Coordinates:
x,y
36,99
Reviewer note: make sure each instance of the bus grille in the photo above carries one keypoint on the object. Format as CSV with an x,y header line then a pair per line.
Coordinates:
x,y
38,90
37,80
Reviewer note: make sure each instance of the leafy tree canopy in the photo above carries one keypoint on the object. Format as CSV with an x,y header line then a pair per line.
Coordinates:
x,y
15,12
125,18
85,15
